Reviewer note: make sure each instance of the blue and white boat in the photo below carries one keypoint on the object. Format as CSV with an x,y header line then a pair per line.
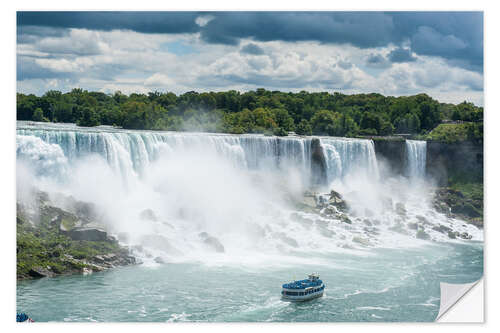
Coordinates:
x,y
303,290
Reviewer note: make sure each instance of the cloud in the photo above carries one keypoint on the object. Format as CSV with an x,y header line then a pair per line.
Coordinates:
x,y
377,61
401,55
203,20
140,62
252,49
454,36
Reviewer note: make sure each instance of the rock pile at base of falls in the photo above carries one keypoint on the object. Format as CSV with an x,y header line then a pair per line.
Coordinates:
x,y
454,204
53,241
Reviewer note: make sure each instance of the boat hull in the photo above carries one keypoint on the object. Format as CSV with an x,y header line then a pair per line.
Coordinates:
x,y
302,298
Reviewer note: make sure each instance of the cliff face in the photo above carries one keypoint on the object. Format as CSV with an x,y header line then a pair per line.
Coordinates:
x,y
393,152
318,163
462,160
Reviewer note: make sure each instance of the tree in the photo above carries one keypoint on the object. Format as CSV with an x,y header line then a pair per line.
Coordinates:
x,y
89,118
304,128
323,122
38,115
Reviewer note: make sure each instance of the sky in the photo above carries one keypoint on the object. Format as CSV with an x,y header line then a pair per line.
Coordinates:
x,y
392,53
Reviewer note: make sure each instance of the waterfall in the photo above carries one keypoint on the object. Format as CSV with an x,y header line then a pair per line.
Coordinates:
x,y
416,153
347,155
131,152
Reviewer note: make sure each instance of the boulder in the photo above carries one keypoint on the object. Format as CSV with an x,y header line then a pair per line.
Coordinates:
x,y
422,219
159,260
337,201
442,229
465,235
85,210
413,226
88,234
421,234
40,272
212,242
400,209
345,219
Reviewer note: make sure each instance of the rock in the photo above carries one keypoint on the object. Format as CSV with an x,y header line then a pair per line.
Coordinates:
x,y
400,209
422,220
361,241
453,234
465,235
159,260
148,215
442,229
466,209
212,242
88,234
318,163
86,271
39,272
345,219
478,222
421,234
367,222
85,210
413,226
337,201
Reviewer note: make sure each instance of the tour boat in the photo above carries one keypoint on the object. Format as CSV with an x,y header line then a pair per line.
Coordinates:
x,y
303,290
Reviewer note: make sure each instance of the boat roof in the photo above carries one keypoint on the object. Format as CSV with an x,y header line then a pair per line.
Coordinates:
x,y
302,284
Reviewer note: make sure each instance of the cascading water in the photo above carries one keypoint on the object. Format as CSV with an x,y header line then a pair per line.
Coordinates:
x,y
347,155
416,152
245,192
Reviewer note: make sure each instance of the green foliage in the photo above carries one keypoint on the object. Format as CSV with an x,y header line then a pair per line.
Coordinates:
x,y
259,111
450,133
280,131
304,128
38,115
43,245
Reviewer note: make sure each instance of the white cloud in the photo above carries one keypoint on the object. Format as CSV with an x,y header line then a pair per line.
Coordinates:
x,y
203,20
131,61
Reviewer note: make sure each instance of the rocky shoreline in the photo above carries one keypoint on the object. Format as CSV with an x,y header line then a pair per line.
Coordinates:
x,y
52,241
455,203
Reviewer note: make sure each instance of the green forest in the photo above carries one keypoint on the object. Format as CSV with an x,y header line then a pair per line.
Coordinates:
x,y
259,111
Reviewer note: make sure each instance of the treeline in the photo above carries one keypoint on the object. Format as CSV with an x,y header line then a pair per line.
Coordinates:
x,y
260,111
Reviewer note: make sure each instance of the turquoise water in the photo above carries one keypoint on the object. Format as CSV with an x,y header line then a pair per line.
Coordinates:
x,y
376,285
